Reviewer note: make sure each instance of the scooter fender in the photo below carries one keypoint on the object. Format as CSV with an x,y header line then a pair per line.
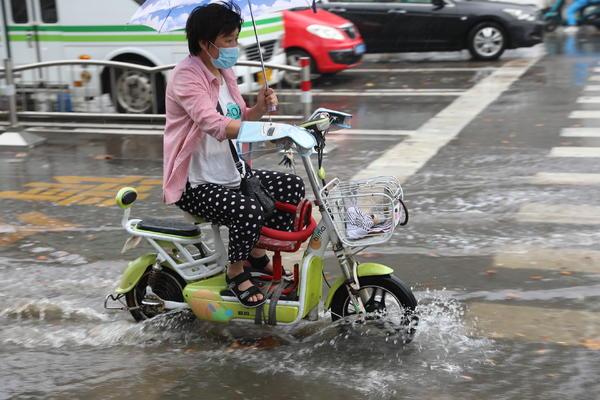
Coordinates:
x,y
366,269
134,271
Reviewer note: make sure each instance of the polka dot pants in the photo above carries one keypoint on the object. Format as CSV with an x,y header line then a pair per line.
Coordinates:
x,y
243,215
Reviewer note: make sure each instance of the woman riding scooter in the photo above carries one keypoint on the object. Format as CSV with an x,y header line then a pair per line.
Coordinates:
x,y
204,110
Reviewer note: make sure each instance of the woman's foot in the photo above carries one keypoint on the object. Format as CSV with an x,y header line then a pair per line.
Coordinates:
x,y
239,281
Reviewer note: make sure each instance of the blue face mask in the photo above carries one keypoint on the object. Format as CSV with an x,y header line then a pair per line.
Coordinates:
x,y
228,56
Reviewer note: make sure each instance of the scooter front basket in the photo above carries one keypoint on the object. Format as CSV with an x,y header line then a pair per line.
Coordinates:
x,y
365,212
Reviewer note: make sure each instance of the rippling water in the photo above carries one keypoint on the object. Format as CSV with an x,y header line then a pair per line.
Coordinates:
x,y
56,340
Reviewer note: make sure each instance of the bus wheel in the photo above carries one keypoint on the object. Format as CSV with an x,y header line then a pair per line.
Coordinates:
x,y
134,93
131,90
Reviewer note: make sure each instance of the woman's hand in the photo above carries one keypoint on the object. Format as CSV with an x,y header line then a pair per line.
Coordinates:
x,y
267,100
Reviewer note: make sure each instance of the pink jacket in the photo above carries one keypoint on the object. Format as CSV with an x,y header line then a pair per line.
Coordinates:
x,y
191,105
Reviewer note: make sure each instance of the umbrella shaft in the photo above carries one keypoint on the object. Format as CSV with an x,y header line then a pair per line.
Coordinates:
x,y
260,54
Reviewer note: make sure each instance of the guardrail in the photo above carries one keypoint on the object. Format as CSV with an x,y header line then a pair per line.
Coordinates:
x,y
115,91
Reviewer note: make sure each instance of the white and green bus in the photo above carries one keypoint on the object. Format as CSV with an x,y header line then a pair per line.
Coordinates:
x,y
49,30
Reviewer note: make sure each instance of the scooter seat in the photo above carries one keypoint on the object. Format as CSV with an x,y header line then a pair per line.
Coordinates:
x,y
169,226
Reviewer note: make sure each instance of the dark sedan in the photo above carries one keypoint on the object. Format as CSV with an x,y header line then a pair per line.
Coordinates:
x,y
486,28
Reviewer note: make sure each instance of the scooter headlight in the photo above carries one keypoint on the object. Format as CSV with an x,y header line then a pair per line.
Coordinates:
x,y
519,14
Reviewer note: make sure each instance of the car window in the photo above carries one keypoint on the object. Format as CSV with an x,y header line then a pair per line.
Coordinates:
x,y
19,11
49,14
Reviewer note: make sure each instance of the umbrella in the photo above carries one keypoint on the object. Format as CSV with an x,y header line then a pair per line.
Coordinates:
x,y
169,15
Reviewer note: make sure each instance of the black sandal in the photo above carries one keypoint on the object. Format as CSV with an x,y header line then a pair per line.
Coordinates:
x,y
259,264
242,295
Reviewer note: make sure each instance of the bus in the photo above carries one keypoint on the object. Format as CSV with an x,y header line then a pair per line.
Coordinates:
x,y
49,30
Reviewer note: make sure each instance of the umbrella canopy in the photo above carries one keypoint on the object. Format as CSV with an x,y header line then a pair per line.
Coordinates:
x,y
169,15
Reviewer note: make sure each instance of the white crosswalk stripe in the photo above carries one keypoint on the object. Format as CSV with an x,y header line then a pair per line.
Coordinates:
x,y
592,88
559,214
565,178
584,114
574,151
534,324
589,100
544,259
580,132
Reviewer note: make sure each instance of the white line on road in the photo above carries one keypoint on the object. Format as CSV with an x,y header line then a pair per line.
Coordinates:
x,y
556,178
381,92
529,257
369,132
534,324
580,132
559,214
412,70
575,152
407,157
595,78
585,114
592,88
589,100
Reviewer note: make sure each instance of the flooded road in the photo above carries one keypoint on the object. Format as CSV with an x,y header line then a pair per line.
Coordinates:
x,y
501,252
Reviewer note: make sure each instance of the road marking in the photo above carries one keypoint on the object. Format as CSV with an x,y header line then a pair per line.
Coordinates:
x,y
596,69
573,151
595,78
382,92
529,257
592,88
407,157
369,132
559,214
37,222
412,70
585,114
565,178
82,190
589,100
580,132
534,324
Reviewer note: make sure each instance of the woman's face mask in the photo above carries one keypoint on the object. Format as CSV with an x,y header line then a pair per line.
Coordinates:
x,y
227,58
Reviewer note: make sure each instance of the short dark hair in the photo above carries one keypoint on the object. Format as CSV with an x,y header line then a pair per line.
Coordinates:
x,y
211,20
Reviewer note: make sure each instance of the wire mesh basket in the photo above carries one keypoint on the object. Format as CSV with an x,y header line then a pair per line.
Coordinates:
x,y
365,212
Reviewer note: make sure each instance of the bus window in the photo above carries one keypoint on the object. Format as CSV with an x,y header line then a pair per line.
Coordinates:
x,y
19,11
49,14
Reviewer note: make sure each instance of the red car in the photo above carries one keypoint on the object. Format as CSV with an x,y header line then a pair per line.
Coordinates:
x,y
332,42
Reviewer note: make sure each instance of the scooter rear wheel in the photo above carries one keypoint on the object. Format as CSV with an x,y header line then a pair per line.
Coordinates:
x,y
168,286
390,299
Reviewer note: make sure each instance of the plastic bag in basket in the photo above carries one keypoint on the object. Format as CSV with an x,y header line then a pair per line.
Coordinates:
x,y
359,224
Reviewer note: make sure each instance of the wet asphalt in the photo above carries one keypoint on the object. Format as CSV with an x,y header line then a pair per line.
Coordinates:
x,y
508,295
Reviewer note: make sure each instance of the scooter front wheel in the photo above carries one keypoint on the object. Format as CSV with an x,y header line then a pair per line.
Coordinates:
x,y
167,285
389,299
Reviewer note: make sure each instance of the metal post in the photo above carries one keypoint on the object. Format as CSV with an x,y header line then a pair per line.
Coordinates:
x,y
14,136
306,86
11,93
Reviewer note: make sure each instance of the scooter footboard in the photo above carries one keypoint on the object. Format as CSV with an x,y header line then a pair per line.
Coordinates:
x,y
207,303
366,269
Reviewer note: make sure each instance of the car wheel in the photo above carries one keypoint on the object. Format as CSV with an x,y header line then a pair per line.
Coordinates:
x,y
487,41
293,79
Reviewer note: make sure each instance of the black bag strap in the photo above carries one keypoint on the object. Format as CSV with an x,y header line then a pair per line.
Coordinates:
x,y
234,153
